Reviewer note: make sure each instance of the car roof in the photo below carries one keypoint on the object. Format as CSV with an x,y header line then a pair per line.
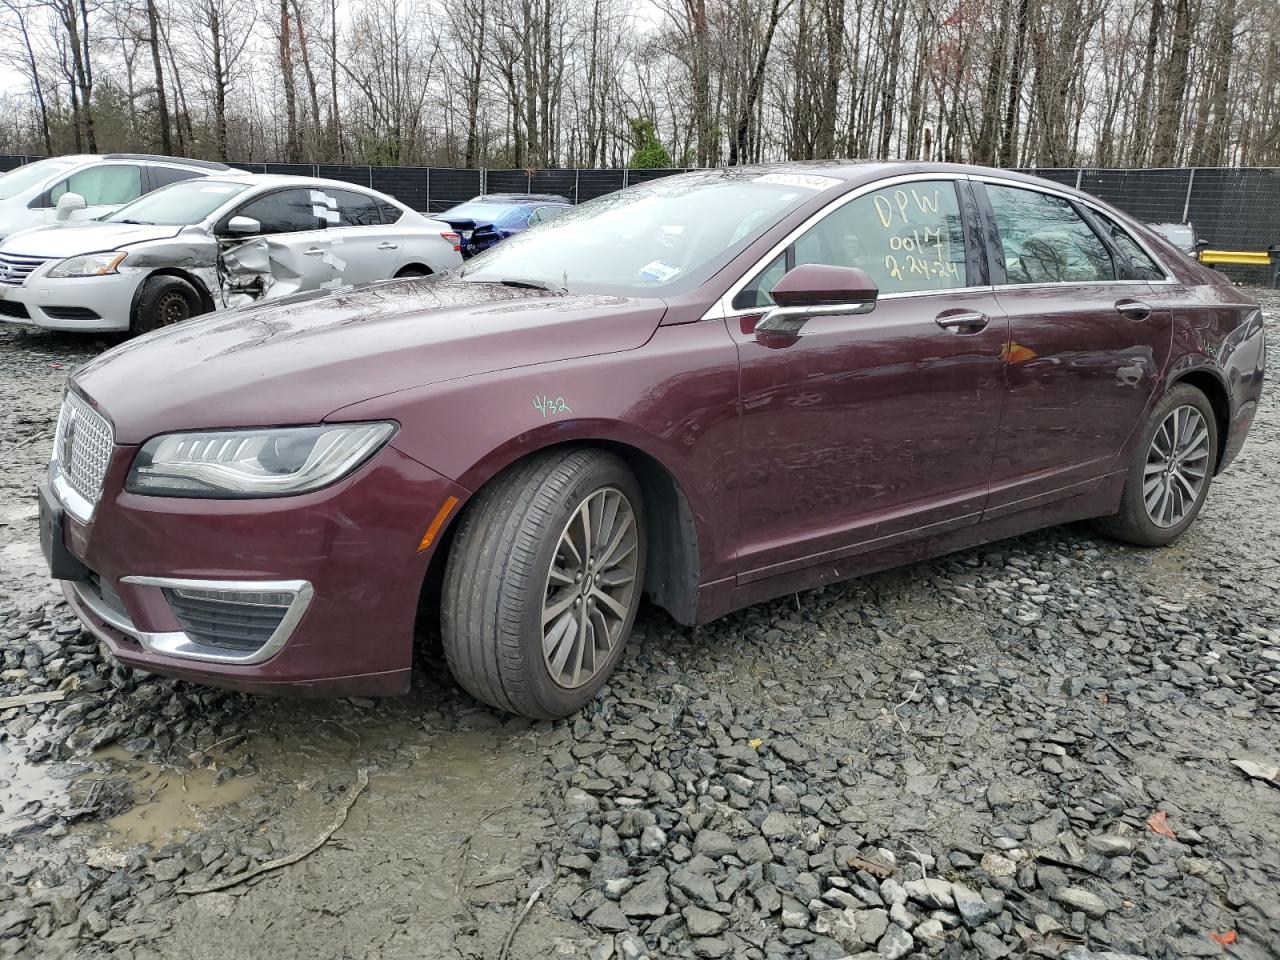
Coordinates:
x,y
179,161
519,198
863,172
237,175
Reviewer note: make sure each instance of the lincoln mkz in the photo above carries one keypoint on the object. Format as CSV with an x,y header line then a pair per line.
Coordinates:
x,y
710,390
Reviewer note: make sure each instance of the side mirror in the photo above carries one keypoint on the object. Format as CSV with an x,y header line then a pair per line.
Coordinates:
x,y
817,290
246,226
68,204
1202,244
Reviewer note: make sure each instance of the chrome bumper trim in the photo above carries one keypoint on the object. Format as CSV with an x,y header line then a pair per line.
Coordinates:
x,y
72,502
179,644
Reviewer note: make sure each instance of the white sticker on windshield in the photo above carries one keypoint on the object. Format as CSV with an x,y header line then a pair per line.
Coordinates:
x,y
810,181
659,271
216,189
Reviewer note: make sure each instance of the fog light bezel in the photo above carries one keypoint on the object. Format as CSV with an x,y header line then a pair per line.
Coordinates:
x,y
179,644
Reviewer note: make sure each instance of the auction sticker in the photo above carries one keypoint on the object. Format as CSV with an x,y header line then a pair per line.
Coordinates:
x,y
659,271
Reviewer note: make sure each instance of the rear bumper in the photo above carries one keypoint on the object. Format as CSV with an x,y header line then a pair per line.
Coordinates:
x,y
353,545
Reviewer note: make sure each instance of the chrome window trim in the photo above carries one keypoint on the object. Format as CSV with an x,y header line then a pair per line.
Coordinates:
x,y
179,644
723,308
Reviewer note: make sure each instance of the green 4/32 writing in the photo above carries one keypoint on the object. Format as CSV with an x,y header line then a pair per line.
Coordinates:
x,y
550,406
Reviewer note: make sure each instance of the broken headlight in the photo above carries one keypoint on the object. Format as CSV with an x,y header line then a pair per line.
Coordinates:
x,y
253,463
90,265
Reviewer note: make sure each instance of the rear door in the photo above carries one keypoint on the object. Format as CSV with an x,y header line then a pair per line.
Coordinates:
x,y
1089,343
367,248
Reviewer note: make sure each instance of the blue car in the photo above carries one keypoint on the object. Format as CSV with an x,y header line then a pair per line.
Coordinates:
x,y
483,221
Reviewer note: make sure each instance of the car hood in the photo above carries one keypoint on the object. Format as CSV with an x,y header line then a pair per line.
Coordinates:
x,y
297,359
14,218
71,240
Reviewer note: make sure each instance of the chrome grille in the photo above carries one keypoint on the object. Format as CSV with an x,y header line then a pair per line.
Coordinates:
x,y
82,447
14,268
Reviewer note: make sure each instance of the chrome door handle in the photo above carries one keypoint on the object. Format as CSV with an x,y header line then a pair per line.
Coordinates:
x,y
1133,309
314,252
388,245
968,322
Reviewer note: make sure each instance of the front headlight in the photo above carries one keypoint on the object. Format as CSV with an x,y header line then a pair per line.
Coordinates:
x,y
269,462
90,265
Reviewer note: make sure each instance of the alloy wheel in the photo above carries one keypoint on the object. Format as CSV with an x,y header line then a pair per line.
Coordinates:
x,y
1177,466
591,588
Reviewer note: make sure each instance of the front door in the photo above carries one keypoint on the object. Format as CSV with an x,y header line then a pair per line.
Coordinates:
x,y
291,252
868,429
105,187
1089,343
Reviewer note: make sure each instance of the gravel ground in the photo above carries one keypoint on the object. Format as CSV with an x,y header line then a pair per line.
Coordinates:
x,y
1025,748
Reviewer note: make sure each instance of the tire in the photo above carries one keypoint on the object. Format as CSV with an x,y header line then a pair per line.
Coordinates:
x,y
413,270
499,578
1137,522
164,301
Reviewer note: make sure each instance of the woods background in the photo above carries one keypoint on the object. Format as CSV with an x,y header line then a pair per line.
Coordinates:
x,y
646,83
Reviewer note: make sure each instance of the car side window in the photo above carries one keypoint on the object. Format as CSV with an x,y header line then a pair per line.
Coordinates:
x,y
908,238
390,212
356,209
1139,263
1045,241
285,211
112,183
543,214
163,176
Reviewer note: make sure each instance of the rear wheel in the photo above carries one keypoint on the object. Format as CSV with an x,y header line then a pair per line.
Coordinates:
x,y
543,581
1171,470
413,270
164,301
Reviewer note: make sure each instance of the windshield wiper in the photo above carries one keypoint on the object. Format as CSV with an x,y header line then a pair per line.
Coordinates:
x,y
136,223
532,285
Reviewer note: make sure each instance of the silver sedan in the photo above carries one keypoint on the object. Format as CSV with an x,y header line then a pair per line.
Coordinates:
x,y
210,244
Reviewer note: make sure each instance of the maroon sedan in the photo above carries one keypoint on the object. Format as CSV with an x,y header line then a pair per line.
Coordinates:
x,y
712,389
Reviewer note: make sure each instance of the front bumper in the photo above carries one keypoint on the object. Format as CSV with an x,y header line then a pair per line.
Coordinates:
x,y
351,548
85,304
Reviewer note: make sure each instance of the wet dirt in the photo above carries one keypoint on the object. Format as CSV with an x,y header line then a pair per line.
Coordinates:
x,y
438,840
27,791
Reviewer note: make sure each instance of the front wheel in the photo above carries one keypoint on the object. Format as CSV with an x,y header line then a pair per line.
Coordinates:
x,y
543,581
1172,467
164,301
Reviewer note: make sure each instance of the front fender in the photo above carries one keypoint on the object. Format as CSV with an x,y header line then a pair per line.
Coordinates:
x,y
675,400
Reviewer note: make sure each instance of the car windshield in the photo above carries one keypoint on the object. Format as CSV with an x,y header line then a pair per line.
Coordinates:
x,y
666,236
29,175
179,204
499,214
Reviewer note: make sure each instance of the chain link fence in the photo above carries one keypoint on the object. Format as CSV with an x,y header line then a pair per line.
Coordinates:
x,y
1233,208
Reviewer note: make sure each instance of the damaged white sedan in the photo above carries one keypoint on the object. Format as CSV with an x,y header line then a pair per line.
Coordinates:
x,y
213,243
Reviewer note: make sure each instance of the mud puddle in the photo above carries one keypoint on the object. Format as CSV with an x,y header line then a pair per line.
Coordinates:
x,y
29,792
157,804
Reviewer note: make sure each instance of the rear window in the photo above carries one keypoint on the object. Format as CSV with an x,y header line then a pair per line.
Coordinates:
x,y
499,214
